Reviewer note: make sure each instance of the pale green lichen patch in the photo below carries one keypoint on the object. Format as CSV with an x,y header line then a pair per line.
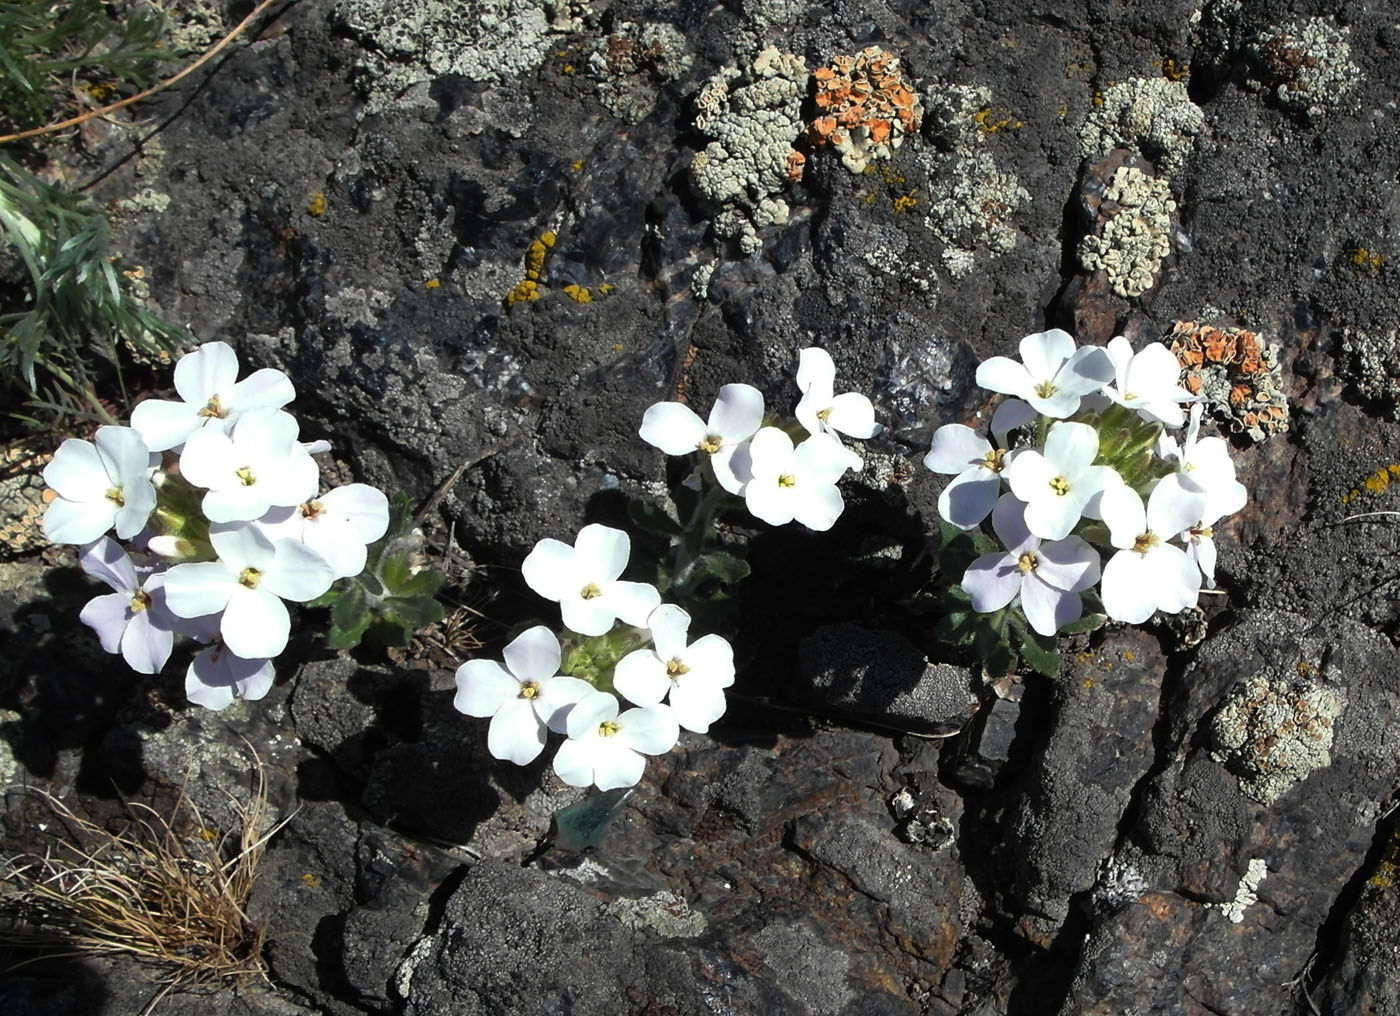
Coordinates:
x,y
1134,235
631,63
1374,365
1272,732
1307,66
1153,116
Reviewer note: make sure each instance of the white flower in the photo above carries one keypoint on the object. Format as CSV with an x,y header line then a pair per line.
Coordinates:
x,y
735,416
1058,485
822,411
258,466
584,580
1146,381
795,483
248,583
971,494
1053,376
206,380
609,750
1148,573
1204,465
338,525
216,677
694,675
134,620
99,485
524,698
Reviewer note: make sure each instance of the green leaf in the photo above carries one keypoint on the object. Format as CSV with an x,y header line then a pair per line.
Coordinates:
x,y
957,627
725,566
1087,623
394,571
584,824
351,609
415,612
652,519
349,638
1043,661
426,583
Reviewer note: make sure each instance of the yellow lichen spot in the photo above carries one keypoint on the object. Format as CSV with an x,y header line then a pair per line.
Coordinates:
x,y
208,835
317,205
617,347
1175,70
432,284
567,69
1129,656
1062,110
1088,683
310,881
577,293
606,288
1098,98
526,289
576,165
990,120
905,202
1365,260
101,91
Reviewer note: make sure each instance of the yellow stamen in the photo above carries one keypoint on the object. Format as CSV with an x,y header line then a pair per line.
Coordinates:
x,y
213,410
1146,542
710,444
249,578
312,509
1045,389
140,601
529,689
115,496
993,460
608,728
787,480
245,476
590,591
1060,486
824,414
675,668
1027,562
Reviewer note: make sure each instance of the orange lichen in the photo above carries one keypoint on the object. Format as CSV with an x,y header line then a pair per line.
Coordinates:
x,y
1375,483
1365,260
866,104
1235,371
796,164
317,205
528,288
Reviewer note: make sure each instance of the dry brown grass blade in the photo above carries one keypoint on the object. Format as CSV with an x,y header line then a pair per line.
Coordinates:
x,y
175,902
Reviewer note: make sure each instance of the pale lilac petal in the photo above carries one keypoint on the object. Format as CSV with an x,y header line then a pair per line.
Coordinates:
x,y
108,616
140,496
697,703
267,388
236,504
1126,588
1120,351
673,428
290,479
216,677
77,522
146,644
332,537
1069,564
1043,353
297,573
955,447
992,581
199,588
1029,475
365,508
668,625
853,414
1052,518
651,730
533,655
163,424
1048,609
1204,548
632,602
552,570
737,413
78,473
640,677
1175,576
208,371
968,498
125,454
255,624
573,763
1088,370
104,559
713,657
590,711
1009,523
615,766
816,376
818,508
1005,375
602,551
732,467
516,733
1071,447
557,698
240,545
483,686
1011,415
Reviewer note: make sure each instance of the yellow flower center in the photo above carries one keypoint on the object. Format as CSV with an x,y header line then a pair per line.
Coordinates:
x,y
1146,542
115,496
249,578
993,460
608,728
529,689
824,414
710,444
1027,562
140,601
1203,533
675,668
312,509
787,480
245,476
213,410
1045,389
590,591
1060,486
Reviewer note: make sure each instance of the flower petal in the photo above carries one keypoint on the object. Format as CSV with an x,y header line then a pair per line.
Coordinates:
x,y
1069,564
737,413
955,447
199,588
816,376
651,730
615,765
853,414
76,472
1009,523
668,625
712,657
104,559
1071,447
697,703
267,388
210,370
1048,609
602,552
573,762
551,569
1123,512
590,711
1011,415
632,602
108,616
365,508
255,623
516,733
818,507
672,427
483,686
163,424
640,677
557,698
146,644
1126,588
1044,353
242,545
992,581
533,655
1005,375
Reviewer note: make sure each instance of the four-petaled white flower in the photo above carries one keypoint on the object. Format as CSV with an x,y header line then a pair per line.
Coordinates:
x,y
1059,484
213,397
258,466
821,410
524,698
1204,466
248,584
134,620
1047,575
338,525
609,750
693,675
1052,376
584,579
100,485
1146,381
735,416
972,493
1148,573
795,483
216,677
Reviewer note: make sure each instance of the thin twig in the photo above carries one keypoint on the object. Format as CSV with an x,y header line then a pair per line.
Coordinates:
x,y
93,114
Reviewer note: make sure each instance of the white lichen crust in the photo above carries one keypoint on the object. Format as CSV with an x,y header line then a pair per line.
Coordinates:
x,y
754,116
1272,732
1375,365
1153,116
1308,65
1132,243
630,63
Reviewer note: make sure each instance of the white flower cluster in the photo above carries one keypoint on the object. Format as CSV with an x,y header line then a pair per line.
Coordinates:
x,y
221,498
779,481
1098,454
528,696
